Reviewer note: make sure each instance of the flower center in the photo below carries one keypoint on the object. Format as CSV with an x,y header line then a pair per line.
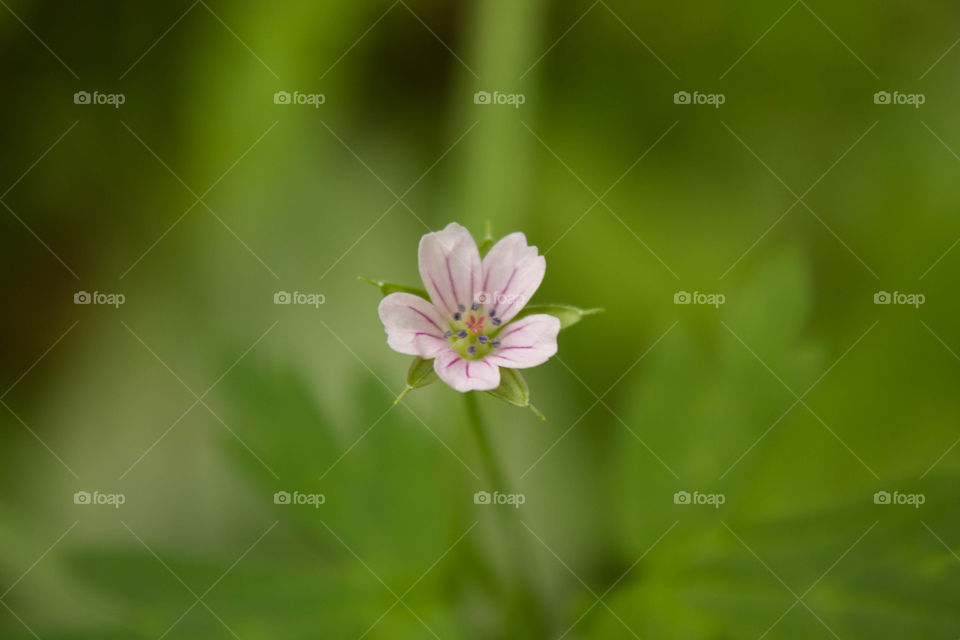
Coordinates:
x,y
466,334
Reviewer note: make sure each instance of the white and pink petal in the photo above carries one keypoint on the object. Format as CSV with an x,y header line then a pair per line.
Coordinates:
x,y
413,325
450,267
527,342
466,375
512,273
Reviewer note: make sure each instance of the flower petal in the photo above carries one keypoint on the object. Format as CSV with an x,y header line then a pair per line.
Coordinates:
x,y
512,272
527,342
466,375
413,325
450,267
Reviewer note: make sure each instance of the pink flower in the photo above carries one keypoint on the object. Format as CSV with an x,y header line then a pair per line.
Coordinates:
x,y
467,329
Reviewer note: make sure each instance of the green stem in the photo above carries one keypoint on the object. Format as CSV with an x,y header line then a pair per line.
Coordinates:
x,y
486,452
524,610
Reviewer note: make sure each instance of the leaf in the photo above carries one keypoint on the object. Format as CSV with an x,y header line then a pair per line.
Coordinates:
x,y
513,390
798,504
568,315
279,416
420,374
386,288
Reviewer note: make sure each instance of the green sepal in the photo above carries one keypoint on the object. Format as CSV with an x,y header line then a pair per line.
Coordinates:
x,y
568,315
420,374
487,242
386,288
513,390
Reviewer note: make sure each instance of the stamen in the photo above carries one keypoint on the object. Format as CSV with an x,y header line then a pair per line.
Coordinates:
x,y
457,316
482,339
462,333
461,307
448,334
474,306
496,322
495,343
472,350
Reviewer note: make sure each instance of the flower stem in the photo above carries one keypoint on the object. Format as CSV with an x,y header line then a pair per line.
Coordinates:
x,y
524,609
486,452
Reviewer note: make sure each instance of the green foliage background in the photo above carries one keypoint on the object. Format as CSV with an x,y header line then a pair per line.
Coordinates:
x,y
633,198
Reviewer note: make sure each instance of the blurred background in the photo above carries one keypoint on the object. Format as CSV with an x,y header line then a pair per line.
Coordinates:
x,y
177,165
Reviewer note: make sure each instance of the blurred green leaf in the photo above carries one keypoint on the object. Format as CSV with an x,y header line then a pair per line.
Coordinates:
x,y
567,314
796,499
386,288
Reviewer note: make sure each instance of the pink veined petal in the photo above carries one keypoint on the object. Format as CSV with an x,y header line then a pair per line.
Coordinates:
x,y
466,375
512,272
527,342
413,325
450,267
